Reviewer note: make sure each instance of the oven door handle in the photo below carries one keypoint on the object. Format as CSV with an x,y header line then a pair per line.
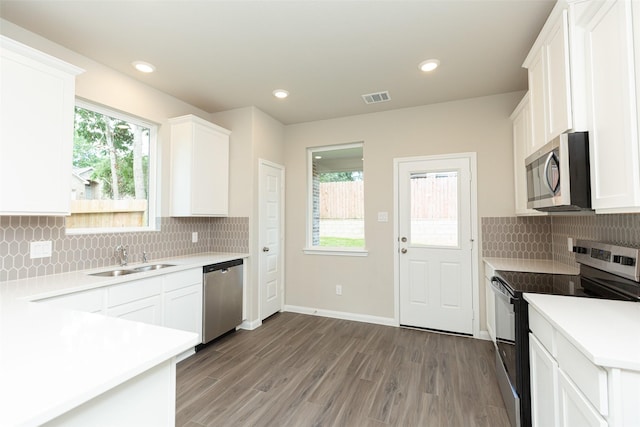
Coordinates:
x,y
498,288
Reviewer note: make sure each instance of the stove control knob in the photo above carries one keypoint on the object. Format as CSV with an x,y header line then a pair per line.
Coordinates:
x,y
579,250
624,260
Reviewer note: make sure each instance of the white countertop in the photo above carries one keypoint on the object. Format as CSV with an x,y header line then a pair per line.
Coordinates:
x,y
52,360
607,332
531,265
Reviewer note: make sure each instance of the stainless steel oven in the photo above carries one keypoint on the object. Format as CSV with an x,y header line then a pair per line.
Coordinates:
x,y
606,271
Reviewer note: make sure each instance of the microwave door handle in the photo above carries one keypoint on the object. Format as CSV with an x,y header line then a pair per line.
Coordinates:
x,y
547,163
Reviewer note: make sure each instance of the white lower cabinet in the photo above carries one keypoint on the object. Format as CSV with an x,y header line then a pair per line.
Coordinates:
x,y
173,300
567,389
183,301
544,398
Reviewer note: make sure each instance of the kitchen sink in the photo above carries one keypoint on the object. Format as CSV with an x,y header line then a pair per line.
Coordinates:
x,y
153,267
122,272
113,273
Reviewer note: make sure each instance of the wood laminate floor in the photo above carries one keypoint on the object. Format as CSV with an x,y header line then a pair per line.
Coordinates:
x,y
298,370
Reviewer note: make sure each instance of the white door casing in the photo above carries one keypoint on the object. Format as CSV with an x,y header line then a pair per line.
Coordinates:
x,y
271,243
436,273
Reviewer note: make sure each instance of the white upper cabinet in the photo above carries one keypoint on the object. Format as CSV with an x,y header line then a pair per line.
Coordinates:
x,y
199,168
605,29
36,131
550,87
522,137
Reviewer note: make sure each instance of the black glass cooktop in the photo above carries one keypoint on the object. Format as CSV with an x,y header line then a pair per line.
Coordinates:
x,y
542,283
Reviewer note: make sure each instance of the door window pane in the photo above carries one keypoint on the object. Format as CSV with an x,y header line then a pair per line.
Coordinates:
x,y
434,209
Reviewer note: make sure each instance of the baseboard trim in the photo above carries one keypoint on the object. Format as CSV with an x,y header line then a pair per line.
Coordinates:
x,y
386,321
250,325
484,335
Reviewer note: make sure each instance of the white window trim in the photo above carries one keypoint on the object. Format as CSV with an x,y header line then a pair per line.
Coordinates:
x,y
152,195
325,250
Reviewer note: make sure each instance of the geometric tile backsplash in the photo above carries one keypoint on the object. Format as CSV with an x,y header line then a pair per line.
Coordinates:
x,y
84,251
517,237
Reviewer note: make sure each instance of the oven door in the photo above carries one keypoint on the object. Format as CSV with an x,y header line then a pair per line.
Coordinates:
x,y
506,349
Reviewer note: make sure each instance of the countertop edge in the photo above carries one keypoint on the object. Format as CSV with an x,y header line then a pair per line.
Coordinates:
x,y
541,303
530,265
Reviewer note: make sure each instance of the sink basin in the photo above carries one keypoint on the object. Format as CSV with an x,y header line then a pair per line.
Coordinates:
x,y
113,273
153,267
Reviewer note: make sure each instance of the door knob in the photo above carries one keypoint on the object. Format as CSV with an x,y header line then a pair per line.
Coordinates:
x,y
403,239
265,249
403,250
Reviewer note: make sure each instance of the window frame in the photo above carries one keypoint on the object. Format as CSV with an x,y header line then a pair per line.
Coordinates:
x,y
152,169
309,248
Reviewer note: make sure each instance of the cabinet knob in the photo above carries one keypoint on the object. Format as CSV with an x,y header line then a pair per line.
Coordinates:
x,y
265,249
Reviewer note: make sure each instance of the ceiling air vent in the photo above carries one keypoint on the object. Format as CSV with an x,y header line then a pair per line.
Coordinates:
x,y
374,98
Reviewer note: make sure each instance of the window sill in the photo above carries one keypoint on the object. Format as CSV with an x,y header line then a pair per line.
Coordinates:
x,y
335,251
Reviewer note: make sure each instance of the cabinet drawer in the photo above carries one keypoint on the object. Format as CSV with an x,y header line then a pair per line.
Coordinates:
x,y
89,301
543,331
133,291
589,378
182,279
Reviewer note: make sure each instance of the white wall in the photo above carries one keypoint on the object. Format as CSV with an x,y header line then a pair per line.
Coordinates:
x,y
479,125
254,135
104,85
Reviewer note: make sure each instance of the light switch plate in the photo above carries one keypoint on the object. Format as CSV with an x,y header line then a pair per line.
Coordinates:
x,y
194,237
383,216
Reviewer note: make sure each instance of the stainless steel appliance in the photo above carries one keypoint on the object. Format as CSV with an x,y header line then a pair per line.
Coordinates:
x,y
222,299
558,177
606,271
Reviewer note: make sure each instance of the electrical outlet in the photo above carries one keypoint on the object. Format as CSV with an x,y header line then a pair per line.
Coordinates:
x,y
338,289
194,237
41,249
570,244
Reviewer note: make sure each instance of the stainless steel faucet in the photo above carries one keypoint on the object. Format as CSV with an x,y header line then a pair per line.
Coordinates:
x,y
122,253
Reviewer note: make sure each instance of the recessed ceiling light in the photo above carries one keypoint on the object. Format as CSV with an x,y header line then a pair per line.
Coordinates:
x,y
143,67
317,157
429,65
280,93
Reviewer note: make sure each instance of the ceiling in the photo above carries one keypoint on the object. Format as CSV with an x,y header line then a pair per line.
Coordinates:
x,y
221,55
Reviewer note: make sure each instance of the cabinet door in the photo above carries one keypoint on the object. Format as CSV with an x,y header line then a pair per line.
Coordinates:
x,y
544,385
613,136
36,131
537,100
556,51
210,181
147,310
183,309
575,410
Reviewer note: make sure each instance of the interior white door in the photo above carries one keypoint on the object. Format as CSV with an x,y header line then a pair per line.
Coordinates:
x,y
271,238
435,246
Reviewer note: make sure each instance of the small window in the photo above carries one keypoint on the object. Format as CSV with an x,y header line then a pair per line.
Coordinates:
x,y
113,172
336,199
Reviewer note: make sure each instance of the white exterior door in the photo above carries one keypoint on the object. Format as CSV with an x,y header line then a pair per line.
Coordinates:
x,y
271,238
435,243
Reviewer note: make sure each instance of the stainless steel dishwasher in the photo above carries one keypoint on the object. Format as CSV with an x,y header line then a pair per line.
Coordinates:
x,y
222,299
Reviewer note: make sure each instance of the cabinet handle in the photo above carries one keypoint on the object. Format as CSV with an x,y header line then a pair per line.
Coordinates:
x,y
265,249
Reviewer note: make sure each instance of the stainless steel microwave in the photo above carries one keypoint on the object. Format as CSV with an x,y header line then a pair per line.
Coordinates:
x,y
558,177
